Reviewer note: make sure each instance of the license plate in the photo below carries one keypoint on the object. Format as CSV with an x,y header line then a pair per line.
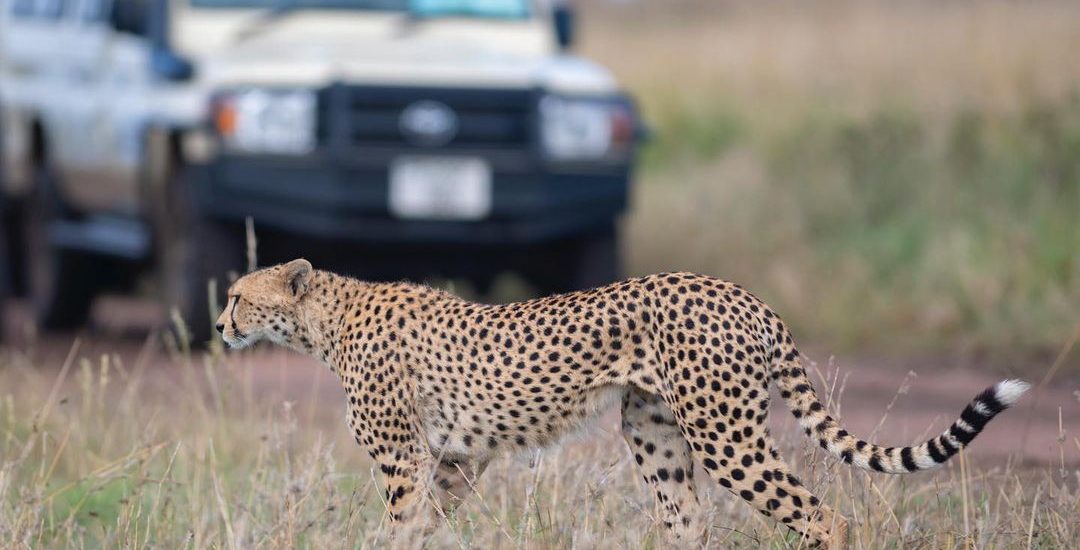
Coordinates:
x,y
440,188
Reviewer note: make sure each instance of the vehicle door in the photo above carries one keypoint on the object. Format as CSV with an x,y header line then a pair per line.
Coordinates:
x,y
31,37
110,70
32,42
76,102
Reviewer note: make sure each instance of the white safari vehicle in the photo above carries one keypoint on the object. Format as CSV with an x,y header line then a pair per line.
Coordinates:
x,y
387,138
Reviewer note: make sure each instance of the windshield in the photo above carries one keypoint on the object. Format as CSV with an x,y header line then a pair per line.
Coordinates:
x,y
496,9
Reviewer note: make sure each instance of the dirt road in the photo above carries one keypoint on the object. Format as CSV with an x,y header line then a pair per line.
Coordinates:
x,y
925,395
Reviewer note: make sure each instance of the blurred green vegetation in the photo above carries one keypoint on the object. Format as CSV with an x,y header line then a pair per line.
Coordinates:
x,y
889,176
878,228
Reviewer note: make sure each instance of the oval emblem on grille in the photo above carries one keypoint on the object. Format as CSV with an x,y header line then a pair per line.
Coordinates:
x,y
428,123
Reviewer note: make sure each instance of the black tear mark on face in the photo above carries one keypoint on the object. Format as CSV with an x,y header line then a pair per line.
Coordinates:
x,y
232,317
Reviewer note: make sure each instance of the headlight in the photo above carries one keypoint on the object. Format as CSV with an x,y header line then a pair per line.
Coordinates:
x,y
267,121
585,129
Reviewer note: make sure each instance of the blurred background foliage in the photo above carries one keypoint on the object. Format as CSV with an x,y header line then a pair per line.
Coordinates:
x,y
901,177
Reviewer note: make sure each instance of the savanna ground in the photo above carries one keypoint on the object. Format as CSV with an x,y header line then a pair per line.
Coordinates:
x,y
115,444
901,182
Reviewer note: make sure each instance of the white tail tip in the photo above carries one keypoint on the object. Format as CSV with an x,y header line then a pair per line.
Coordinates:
x,y
1008,392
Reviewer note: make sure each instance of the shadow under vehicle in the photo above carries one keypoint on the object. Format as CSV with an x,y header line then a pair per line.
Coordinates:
x,y
384,138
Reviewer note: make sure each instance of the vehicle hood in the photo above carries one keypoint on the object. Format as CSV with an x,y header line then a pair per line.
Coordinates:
x,y
321,64
425,54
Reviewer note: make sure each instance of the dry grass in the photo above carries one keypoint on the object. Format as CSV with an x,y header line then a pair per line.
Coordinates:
x,y
779,57
205,452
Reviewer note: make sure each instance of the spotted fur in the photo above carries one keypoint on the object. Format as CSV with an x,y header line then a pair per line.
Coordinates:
x,y
438,386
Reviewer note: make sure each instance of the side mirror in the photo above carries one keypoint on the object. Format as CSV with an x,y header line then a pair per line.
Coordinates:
x,y
164,61
565,22
166,64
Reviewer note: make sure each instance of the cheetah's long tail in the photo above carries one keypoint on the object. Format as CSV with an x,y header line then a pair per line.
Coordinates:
x,y
804,403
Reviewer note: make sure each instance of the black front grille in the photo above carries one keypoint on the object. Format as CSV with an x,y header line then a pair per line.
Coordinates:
x,y
369,117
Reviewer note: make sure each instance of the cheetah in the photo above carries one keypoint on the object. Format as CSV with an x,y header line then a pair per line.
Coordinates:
x,y
438,386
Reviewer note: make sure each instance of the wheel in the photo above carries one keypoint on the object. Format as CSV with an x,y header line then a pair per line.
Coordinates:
x,y
11,224
61,284
588,261
5,269
5,259
191,249
482,284
187,263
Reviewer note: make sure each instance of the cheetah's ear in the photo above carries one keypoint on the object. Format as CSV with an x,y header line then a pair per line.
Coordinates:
x,y
297,274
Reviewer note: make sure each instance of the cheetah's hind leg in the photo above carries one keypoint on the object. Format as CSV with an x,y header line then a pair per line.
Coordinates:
x,y
663,458
454,481
743,459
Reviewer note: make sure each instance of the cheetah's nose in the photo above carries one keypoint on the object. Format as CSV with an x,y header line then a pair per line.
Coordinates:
x,y
220,328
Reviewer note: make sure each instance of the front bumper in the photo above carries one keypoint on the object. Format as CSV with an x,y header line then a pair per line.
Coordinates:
x,y
320,196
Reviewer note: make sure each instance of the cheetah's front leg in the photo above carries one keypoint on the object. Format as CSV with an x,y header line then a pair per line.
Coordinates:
x,y
389,434
422,491
409,501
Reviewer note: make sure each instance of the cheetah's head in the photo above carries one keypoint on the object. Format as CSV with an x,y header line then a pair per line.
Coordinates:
x,y
265,305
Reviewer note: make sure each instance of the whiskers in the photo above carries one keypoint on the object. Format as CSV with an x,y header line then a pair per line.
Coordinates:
x,y
238,340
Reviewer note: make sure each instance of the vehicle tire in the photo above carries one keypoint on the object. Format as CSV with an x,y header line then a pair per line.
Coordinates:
x,y
588,261
190,250
188,263
5,268
11,223
61,284
482,284
5,260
